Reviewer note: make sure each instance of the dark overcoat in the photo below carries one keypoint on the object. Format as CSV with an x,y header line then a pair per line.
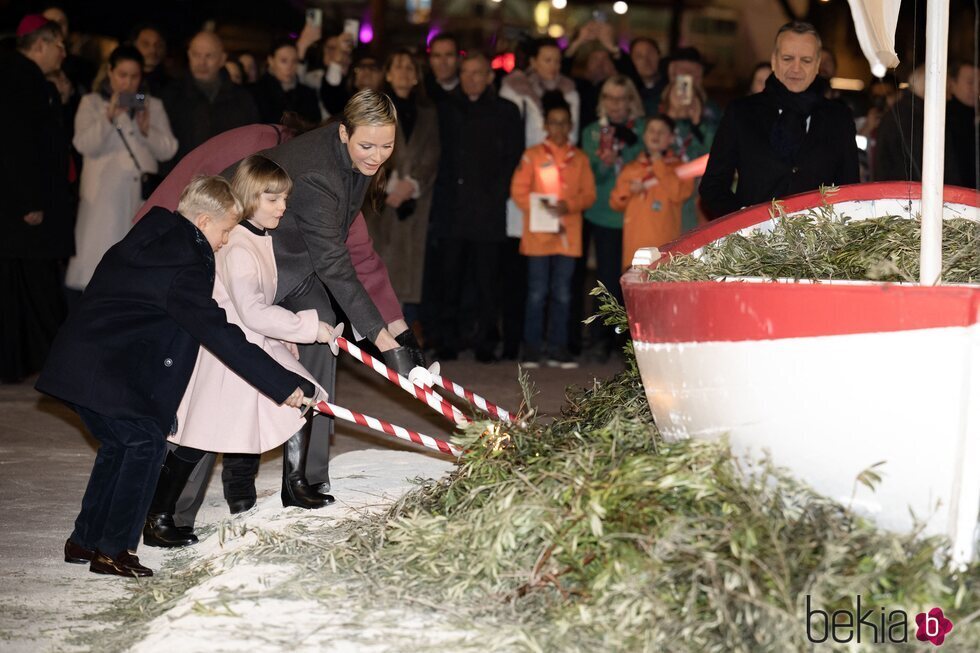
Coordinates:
x,y
482,143
309,243
827,156
34,164
128,349
194,119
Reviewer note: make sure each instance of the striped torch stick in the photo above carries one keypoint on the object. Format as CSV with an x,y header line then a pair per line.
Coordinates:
x,y
492,410
424,395
387,428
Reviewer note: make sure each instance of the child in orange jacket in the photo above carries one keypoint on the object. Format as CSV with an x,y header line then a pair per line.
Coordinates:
x,y
558,168
649,192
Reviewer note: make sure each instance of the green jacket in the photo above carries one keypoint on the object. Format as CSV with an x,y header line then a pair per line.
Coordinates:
x,y
605,176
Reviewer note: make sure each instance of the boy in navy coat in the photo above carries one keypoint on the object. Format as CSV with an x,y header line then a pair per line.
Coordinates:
x,y
125,356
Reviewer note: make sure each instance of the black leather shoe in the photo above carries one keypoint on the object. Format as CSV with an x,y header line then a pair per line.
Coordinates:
x,y
321,488
125,564
236,506
77,554
160,530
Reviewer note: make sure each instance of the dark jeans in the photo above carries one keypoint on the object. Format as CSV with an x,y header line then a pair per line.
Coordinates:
x,y
122,483
609,268
549,283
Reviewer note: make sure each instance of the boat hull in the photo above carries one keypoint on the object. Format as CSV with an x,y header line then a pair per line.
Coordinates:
x,y
827,378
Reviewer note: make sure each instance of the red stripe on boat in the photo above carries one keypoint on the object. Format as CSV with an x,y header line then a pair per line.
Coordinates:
x,y
736,310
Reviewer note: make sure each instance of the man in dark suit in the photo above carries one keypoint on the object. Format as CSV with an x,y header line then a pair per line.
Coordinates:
x,y
205,103
125,356
787,139
482,138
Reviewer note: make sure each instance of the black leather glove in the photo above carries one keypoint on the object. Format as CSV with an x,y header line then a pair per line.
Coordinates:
x,y
399,359
407,339
406,209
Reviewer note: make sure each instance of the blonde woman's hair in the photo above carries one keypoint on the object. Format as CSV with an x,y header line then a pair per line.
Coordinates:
x,y
211,195
634,101
368,108
256,175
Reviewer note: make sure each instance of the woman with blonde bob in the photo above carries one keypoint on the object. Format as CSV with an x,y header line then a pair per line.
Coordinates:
x,y
221,411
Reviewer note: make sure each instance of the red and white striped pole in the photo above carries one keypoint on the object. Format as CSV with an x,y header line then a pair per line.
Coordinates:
x,y
425,395
490,409
387,428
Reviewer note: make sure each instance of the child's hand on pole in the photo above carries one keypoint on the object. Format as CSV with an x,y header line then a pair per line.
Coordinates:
x,y
327,334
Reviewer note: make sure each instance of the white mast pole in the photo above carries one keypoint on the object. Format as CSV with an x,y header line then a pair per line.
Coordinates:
x,y
934,138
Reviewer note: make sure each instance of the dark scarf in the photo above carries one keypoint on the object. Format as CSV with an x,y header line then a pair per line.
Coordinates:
x,y
789,130
408,112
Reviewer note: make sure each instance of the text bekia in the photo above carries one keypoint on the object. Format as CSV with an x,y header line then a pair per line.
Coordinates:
x,y
873,625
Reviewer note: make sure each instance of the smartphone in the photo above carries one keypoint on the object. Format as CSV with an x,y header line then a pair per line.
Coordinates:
x,y
599,15
352,27
685,89
314,17
135,101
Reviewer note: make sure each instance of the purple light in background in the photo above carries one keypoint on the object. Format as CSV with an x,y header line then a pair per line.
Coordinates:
x,y
433,32
562,43
366,35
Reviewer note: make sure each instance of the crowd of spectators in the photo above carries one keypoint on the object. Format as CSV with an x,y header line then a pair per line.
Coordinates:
x,y
446,224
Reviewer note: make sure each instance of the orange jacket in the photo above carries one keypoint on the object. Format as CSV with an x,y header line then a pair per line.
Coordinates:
x,y
577,188
651,217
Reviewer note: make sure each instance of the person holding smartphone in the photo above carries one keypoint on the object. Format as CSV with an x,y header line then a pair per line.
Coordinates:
x,y
122,133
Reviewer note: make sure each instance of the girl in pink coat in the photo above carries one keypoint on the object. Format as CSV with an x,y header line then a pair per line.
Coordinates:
x,y
220,411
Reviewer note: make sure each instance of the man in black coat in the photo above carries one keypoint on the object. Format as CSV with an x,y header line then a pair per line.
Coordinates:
x,y
205,103
126,354
963,122
787,139
38,229
482,139
898,146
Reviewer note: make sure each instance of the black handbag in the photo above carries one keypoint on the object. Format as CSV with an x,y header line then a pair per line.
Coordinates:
x,y
148,183
148,180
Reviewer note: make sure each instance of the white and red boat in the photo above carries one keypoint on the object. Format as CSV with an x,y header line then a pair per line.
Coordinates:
x,y
829,377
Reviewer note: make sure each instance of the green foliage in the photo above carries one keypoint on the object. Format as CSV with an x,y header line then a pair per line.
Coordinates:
x,y
823,245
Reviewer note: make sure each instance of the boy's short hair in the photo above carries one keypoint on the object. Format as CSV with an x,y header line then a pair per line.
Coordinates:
x,y
211,195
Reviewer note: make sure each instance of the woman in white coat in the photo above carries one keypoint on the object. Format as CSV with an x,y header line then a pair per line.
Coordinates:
x,y
121,136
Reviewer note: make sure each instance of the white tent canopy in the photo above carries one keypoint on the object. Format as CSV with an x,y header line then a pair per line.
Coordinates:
x,y
875,22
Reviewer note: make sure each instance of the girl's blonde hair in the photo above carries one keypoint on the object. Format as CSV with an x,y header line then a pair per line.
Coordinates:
x,y
634,101
368,108
256,175
211,195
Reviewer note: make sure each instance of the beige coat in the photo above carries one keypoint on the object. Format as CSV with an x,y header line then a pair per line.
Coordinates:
x,y
220,411
401,243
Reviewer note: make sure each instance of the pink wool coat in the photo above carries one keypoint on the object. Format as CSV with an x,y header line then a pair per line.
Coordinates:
x,y
221,411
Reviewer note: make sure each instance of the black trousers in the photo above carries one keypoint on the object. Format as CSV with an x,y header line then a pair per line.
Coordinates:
x,y
470,278
122,482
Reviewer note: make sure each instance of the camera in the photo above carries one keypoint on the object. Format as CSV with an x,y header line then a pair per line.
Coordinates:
x,y
135,101
314,17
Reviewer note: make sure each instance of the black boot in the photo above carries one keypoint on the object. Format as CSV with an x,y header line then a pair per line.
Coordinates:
x,y
295,490
160,529
238,473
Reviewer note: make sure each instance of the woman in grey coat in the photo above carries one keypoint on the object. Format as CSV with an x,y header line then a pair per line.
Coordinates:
x,y
399,227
